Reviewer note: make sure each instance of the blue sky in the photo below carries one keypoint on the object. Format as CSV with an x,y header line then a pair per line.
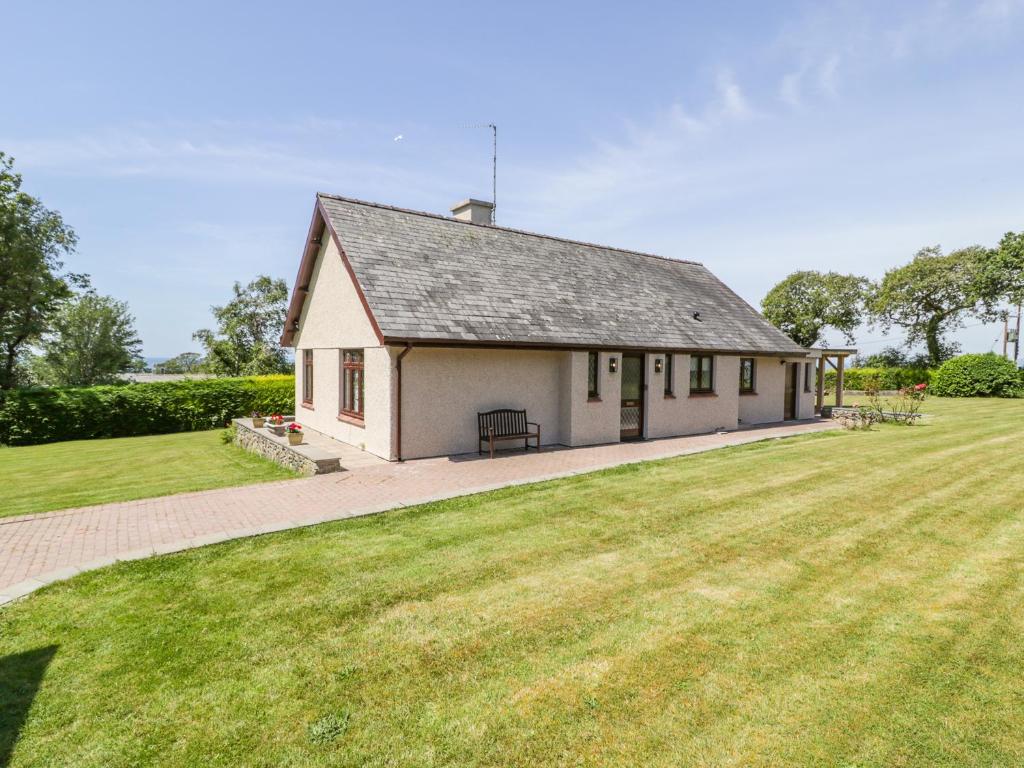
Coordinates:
x,y
185,141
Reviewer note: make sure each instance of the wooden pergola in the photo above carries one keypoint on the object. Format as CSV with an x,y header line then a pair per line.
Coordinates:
x,y
837,359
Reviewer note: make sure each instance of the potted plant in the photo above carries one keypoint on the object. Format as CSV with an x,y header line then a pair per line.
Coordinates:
x,y
294,434
257,420
276,424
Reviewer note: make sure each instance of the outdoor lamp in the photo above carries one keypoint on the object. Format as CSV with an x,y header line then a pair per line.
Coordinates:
x,y
658,363
613,364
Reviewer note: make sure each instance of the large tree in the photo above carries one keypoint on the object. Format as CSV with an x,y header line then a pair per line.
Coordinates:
x,y
245,342
936,293
33,241
806,303
91,341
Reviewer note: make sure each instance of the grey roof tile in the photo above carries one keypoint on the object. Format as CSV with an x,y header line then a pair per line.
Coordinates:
x,y
431,277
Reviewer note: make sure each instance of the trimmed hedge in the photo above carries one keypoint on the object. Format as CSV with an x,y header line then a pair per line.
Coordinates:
x,y
31,416
987,375
887,378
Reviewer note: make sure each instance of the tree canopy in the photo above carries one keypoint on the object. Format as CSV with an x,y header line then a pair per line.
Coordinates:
x,y
186,362
935,293
33,241
806,303
246,340
92,339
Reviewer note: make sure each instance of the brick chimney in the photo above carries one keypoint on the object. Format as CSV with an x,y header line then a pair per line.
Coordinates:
x,y
476,211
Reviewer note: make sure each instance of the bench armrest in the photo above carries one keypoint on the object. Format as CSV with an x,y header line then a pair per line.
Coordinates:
x,y
533,423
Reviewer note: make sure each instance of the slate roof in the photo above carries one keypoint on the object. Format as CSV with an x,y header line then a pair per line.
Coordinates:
x,y
429,277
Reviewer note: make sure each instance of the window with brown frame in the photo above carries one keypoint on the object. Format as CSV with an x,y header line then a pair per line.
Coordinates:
x,y
307,376
807,377
669,377
702,374
747,380
352,383
593,390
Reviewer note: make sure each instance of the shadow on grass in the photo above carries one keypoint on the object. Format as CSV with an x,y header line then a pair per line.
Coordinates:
x,y
21,674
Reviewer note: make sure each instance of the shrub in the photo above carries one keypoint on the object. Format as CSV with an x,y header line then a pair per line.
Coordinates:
x,y
987,375
880,378
31,416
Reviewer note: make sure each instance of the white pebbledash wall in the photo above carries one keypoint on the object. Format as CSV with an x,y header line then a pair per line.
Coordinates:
x,y
444,388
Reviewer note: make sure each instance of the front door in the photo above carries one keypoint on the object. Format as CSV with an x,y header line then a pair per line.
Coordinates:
x,y
631,419
790,409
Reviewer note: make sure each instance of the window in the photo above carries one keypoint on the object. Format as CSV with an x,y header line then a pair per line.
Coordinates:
x,y
747,375
352,383
807,377
592,376
307,376
702,370
669,378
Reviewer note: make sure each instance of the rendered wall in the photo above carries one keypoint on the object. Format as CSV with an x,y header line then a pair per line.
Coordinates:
x,y
768,404
590,422
686,414
443,389
332,319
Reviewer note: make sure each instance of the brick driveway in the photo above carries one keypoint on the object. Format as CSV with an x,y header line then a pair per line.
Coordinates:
x,y
39,549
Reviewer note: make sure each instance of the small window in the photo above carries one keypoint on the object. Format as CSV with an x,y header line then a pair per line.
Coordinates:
x,y
669,377
807,377
592,376
746,374
702,374
352,383
307,376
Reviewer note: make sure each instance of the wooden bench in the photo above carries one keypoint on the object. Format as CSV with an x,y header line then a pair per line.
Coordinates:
x,y
506,424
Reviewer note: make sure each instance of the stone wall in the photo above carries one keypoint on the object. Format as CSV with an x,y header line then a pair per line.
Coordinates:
x,y
287,456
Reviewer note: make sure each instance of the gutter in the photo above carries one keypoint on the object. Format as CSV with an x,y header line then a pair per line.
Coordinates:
x,y
398,405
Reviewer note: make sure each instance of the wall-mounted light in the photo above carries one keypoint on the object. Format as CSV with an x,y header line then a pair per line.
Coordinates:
x,y
658,364
613,364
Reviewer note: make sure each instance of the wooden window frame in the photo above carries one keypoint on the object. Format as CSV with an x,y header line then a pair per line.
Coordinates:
x,y
307,377
710,389
350,371
669,376
594,367
807,378
752,389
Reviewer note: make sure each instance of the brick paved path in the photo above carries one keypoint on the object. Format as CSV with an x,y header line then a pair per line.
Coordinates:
x,y
39,549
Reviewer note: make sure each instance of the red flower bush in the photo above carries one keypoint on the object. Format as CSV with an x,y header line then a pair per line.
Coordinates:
x,y
294,427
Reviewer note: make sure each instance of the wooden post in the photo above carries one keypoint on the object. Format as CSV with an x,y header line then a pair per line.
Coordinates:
x,y
839,381
819,399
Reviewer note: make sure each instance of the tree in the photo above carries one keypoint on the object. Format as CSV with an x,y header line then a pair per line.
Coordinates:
x,y
934,294
92,339
186,362
806,303
32,241
248,327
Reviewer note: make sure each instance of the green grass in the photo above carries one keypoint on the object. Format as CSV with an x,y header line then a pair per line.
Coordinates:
x,y
849,598
42,478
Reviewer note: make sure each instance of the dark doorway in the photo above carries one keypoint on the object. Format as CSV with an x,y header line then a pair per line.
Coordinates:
x,y
791,374
20,677
631,418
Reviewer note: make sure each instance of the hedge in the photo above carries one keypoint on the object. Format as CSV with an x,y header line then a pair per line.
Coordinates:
x,y
30,416
887,378
987,375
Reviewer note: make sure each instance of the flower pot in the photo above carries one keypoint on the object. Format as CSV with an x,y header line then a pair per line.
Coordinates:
x,y
277,429
258,422
294,438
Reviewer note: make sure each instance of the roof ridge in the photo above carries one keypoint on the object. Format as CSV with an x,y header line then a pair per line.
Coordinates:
x,y
442,217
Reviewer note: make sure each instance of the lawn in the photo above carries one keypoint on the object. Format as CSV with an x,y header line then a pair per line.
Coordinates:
x,y
42,478
848,598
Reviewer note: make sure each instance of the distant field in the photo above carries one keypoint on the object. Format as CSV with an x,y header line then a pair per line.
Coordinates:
x,y
42,478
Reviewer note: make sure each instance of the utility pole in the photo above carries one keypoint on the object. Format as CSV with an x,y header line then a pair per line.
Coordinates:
x,y
1006,331
1016,338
